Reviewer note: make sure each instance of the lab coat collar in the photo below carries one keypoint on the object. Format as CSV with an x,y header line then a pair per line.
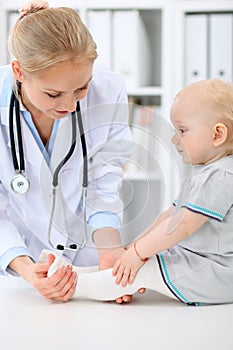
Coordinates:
x,y
4,114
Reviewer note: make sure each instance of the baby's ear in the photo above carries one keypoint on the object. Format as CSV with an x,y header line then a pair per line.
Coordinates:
x,y
220,134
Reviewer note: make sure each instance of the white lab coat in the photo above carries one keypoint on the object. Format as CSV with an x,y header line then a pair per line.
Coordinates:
x,y
24,218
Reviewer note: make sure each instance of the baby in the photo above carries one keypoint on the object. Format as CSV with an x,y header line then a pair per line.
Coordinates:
x,y
187,253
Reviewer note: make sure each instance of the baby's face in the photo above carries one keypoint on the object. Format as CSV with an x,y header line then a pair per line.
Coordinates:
x,y
194,122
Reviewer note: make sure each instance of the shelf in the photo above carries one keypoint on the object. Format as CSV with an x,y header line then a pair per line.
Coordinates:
x,y
146,91
122,4
128,176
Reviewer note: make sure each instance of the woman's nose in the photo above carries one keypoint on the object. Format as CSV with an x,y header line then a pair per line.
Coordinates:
x,y
69,104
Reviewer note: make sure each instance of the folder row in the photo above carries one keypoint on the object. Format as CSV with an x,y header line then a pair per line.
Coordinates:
x,y
122,44
147,127
208,47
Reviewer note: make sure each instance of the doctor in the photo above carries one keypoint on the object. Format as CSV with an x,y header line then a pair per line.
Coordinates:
x,y
51,71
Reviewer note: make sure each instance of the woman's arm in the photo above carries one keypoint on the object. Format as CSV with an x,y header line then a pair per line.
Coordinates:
x,y
163,236
60,287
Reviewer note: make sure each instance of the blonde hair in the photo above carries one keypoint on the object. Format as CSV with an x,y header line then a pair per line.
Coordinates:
x,y
217,95
221,101
221,95
48,36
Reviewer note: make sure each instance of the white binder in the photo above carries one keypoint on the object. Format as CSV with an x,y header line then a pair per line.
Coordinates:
x,y
131,48
12,17
141,128
195,48
221,46
100,25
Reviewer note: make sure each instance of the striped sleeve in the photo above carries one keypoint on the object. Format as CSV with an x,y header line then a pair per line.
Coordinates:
x,y
211,193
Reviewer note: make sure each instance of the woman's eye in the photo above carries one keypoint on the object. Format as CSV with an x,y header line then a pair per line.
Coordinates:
x,y
52,96
84,88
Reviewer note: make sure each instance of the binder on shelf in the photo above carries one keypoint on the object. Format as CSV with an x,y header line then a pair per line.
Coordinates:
x,y
140,121
196,28
221,46
100,25
131,48
12,17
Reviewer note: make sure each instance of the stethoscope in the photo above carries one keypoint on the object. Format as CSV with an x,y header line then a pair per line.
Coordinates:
x,y
20,183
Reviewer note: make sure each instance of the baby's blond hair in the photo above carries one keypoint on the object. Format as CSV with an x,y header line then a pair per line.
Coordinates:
x,y
221,98
221,101
216,95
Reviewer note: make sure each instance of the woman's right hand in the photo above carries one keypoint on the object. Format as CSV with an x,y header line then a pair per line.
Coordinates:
x,y
60,286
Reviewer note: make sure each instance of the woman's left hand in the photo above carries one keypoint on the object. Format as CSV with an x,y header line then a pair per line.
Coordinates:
x,y
34,4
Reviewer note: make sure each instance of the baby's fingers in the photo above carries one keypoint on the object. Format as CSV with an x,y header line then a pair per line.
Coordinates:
x,y
132,276
116,267
120,274
125,277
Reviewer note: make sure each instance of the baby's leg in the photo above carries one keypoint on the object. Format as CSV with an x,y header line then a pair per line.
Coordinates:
x,y
60,261
101,285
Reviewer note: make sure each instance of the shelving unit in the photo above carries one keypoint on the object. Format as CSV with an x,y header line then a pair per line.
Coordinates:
x,y
183,8
164,21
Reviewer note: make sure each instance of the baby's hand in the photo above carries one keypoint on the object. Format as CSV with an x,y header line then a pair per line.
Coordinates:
x,y
126,267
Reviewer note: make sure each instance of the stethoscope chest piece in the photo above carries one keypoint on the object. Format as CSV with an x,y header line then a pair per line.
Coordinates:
x,y
20,184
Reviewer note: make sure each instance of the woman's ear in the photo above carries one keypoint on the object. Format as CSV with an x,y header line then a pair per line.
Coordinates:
x,y
16,69
220,134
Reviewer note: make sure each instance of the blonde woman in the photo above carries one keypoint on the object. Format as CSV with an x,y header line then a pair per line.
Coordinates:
x,y
51,71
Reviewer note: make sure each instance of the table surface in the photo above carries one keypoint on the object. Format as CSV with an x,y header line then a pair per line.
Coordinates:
x,y
149,322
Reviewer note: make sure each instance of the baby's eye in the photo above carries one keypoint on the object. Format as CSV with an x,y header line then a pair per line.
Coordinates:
x,y
182,131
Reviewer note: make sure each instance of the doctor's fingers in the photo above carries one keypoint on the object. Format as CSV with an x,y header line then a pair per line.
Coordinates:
x,y
40,269
59,279
64,294
62,290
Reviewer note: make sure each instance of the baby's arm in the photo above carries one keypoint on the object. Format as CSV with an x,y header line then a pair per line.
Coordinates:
x,y
161,217
163,236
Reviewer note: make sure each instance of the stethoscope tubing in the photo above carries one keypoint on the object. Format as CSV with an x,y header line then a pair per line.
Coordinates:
x,y
20,166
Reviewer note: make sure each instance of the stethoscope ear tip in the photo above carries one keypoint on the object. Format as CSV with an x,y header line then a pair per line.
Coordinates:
x,y
60,247
71,247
